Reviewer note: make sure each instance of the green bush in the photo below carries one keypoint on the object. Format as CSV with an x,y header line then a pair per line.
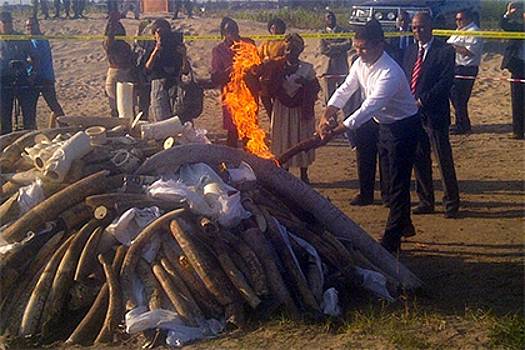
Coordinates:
x,y
313,18
508,332
491,11
301,18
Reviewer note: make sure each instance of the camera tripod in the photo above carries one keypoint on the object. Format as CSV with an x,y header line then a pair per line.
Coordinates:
x,y
16,117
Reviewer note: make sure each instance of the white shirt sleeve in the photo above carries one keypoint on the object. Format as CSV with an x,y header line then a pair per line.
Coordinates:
x,y
382,91
345,90
453,39
474,45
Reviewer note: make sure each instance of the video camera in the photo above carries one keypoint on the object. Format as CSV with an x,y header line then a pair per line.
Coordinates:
x,y
19,68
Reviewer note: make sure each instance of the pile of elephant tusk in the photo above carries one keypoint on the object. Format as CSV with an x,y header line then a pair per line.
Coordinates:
x,y
109,231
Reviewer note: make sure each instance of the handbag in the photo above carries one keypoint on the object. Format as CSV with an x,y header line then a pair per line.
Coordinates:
x,y
189,100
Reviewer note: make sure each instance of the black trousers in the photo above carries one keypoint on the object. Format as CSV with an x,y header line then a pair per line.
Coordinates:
x,y
112,6
66,4
47,89
517,96
44,7
437,139
26,97
397,143
78,7
144,99
460,94
366,139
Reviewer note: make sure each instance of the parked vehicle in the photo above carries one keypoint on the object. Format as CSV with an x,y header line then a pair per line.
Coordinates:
x,y
387,11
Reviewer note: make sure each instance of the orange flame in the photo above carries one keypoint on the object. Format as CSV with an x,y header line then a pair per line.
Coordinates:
x,y
242,104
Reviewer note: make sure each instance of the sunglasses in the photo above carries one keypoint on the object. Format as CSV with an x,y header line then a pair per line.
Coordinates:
x,y
459,19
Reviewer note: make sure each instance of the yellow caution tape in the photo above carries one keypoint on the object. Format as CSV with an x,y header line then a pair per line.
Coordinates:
x,y
347,35
481,34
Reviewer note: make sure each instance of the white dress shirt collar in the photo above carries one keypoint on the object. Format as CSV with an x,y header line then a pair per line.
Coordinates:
x,y
470,26
426,46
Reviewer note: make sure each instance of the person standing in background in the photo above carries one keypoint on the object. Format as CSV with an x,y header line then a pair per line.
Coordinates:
x,y
44,8
293,89
174,6
514,61
398,45
131,5
112,6
141,51
335,65
429,65
45,77
78,8
164,66
468,58
365,138
66,4
120,58
221,66
44,4
56,4
15,82
272,50
188,6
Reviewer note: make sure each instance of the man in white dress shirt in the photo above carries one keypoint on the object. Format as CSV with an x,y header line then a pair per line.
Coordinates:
x,y
468,57
387,99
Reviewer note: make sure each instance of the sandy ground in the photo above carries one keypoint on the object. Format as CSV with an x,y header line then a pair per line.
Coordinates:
x,y
470,263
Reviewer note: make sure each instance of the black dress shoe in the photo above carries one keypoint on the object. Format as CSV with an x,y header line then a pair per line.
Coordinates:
x,y
360,201
452,214
422,210
408,231
460,130
392,245
305,179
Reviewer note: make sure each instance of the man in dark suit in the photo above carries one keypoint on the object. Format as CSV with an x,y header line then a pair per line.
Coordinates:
x,y
429,65
514,61
399,44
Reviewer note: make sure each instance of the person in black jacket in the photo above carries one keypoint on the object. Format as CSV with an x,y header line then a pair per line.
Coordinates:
x,y
399,44
429,65
514,60
16,84
164,66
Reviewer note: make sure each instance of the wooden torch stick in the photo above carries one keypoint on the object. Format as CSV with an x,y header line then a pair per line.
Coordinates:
x,y
309,144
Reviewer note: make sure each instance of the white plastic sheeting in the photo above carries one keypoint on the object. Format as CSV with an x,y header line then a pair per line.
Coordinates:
x,y
205,193
179,334
375,282
126,227
330,303
31,195
244,173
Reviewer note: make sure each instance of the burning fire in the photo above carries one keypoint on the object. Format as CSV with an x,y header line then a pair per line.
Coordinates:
x,y
242,104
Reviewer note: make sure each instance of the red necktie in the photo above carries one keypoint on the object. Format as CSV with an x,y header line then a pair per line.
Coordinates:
x,y
416,71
